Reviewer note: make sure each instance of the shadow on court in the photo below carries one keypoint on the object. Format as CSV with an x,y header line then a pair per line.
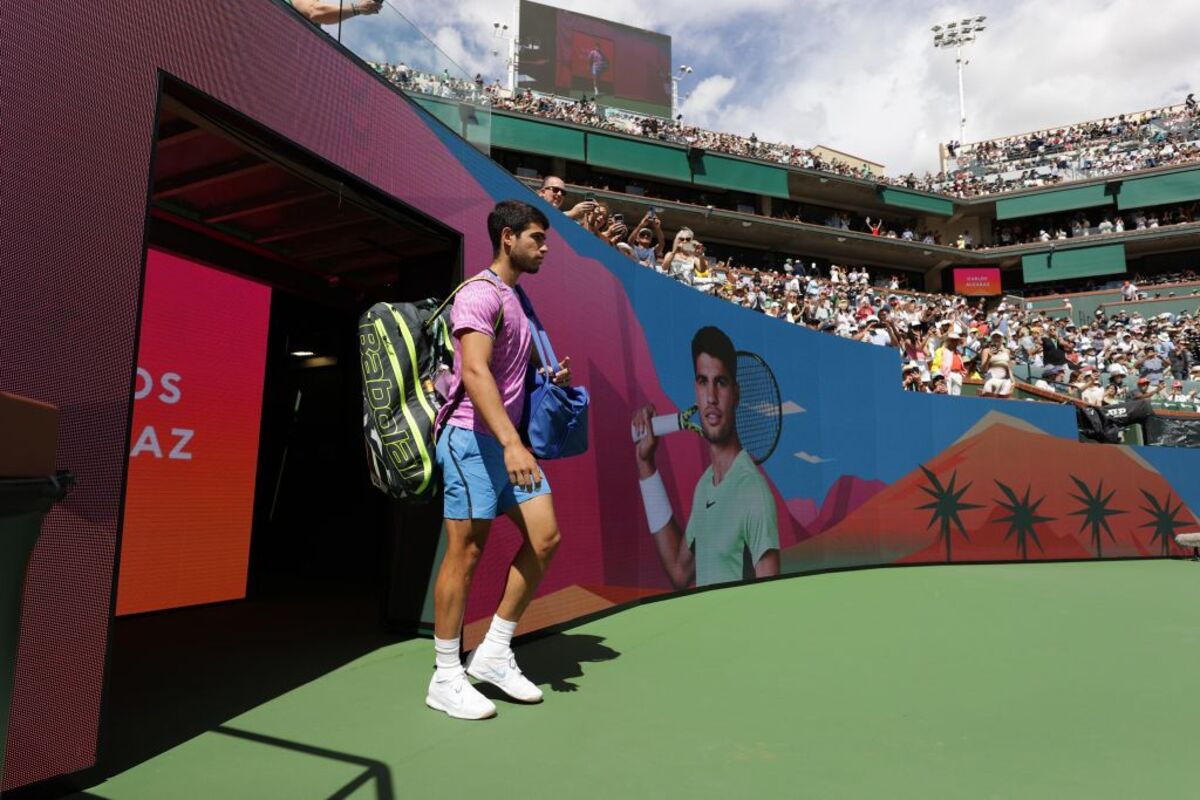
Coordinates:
x,y
556,661
375,777
176,675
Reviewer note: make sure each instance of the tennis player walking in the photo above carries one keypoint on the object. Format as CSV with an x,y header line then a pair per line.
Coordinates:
x,y
733,510
487,470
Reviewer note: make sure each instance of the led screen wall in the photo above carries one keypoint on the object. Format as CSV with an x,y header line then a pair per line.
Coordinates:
x,y
860,472
573,55
194,442
977,281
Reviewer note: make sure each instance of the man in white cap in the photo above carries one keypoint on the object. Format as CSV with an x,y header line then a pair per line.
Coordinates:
x,y
912,377
875,333
1093,393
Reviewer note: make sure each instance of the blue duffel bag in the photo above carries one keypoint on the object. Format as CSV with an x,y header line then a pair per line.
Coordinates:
x,y
554,423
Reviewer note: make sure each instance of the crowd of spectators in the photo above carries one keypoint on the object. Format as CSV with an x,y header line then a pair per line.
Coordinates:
x,y
1079,224
943,340
1126,143
1145,287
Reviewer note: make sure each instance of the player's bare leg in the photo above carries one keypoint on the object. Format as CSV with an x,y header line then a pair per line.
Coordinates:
x,y
539,527
493,660
450,691
465,539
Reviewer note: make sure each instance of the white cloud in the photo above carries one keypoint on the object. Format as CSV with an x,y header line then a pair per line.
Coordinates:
x,y
708,95
865,78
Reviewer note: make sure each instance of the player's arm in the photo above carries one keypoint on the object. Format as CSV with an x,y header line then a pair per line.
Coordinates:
x,y
768,565
331,13
632,233
485,397
677,558
669,541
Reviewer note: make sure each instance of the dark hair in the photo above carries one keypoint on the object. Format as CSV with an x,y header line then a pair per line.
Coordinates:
x,y
514,215
712,341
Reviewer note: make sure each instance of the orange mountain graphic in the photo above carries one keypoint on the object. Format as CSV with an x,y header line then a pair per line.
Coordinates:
x,y
1007,491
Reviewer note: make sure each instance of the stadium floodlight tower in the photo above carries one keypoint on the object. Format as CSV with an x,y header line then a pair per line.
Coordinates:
x,y
956,34
501,30
684,71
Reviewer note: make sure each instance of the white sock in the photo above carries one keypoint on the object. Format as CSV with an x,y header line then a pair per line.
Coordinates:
x,y
498,639
447,657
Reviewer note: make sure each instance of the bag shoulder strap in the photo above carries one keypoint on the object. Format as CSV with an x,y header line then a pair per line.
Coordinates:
x,y
483,276
541,339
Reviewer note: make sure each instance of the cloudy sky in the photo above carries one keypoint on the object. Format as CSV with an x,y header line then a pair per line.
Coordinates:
x,y
864,77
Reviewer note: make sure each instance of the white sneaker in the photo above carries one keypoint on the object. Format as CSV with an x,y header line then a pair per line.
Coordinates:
x,y
458,698
503,672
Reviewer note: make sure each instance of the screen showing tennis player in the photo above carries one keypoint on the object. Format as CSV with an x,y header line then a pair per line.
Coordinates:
x,y
577,55
732,532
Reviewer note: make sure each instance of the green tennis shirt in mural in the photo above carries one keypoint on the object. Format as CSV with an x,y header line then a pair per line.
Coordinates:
x,y
729,519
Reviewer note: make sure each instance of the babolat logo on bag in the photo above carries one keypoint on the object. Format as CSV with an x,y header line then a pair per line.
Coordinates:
x,y
398,407
405,350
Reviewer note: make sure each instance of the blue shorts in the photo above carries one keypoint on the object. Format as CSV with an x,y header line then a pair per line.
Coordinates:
x,y
474,480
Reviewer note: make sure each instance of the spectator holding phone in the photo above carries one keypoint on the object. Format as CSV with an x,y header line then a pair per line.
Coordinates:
x,y
682,261
648,240
596,220
615,232
553,190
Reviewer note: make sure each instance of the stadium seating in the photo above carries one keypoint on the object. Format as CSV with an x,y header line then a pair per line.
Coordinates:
x,y
1129,143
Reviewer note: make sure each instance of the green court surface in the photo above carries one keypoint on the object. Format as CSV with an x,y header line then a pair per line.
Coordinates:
x,y
1023,680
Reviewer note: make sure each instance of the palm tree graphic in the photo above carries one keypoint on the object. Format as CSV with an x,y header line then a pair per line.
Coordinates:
x,y
945,506
1022,518
1162,520
1095,512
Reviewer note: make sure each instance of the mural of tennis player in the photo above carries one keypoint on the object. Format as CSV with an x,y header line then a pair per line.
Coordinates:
x,y
732,530
597,64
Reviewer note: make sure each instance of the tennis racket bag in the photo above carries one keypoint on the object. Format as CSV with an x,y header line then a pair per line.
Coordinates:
x,y
407,355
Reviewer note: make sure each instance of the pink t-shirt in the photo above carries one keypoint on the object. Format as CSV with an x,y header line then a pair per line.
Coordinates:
x,y
476,307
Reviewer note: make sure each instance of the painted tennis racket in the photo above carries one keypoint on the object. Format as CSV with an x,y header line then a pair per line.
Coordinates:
x,y
759,414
